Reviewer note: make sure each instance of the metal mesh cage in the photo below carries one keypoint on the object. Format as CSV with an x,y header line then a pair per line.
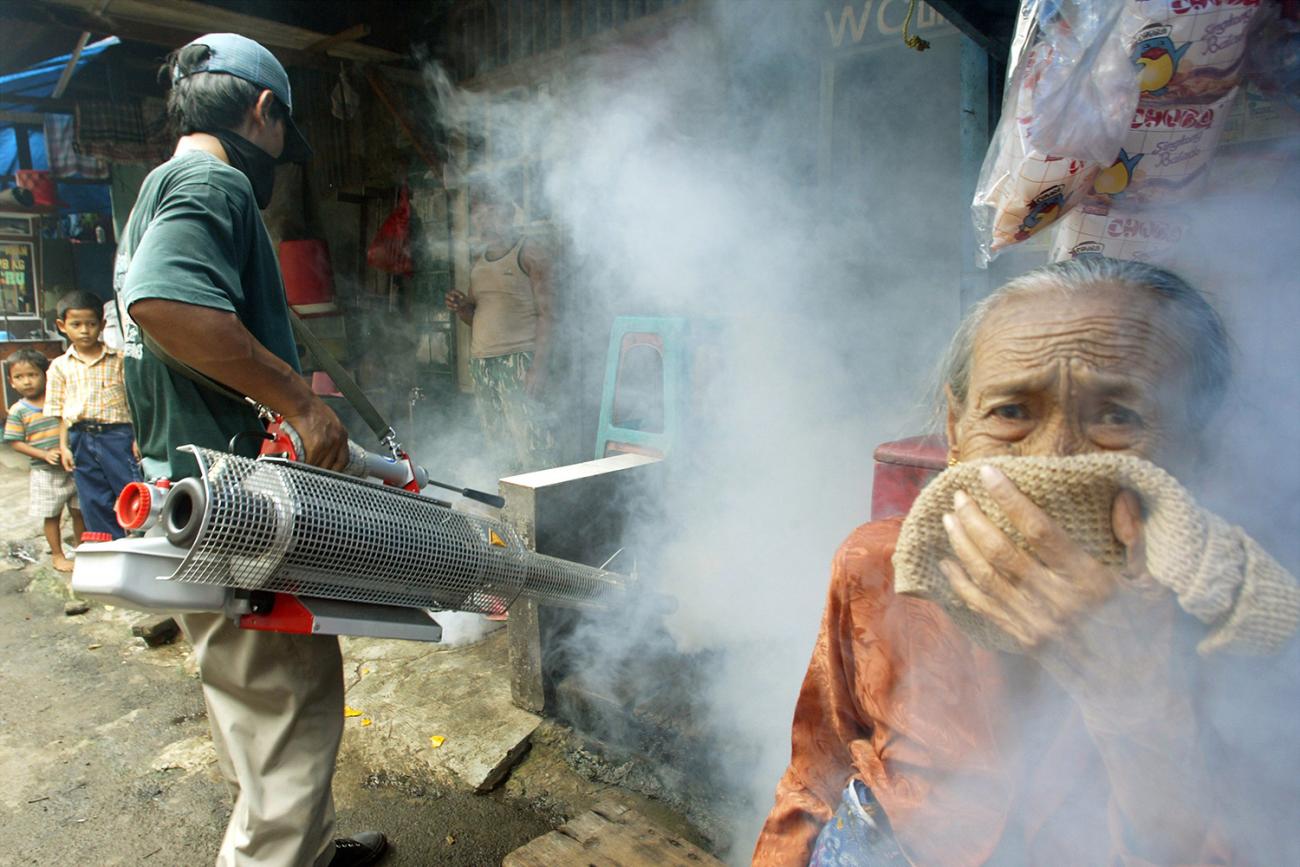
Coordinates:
x,y
292,528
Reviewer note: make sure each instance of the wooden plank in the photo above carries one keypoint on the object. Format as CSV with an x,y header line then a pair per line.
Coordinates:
x,y
56,106
24,118
523,628
71,17
352,34
66,75
380,87
610,835
202,18
549,850
539,506
527,688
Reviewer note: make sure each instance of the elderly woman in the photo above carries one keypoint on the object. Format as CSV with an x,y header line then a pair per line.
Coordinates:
x,y
913,743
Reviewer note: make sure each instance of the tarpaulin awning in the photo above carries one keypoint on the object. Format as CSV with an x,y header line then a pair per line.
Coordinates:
x,y
39,79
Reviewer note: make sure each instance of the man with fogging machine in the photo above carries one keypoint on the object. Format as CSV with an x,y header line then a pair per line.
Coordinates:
x,y
201,287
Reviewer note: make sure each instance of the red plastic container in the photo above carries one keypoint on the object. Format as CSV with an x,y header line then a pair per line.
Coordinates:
x,y
308,277
903,468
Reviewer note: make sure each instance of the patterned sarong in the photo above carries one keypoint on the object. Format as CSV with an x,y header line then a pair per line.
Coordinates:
x,y
858,835
516,432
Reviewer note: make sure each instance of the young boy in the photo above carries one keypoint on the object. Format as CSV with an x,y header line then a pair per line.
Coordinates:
x,y
87,393
33,433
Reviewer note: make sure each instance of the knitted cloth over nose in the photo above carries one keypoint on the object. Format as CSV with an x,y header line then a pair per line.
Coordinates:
x,y
1219,575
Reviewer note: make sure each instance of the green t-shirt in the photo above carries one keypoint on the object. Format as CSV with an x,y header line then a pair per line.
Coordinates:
x,y
195,235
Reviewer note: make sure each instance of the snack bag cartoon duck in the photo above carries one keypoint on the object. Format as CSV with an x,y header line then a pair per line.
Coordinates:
x,y
1043,210
1156,57
1115,180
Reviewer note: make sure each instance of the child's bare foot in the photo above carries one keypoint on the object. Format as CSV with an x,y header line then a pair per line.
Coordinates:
x,y
61,563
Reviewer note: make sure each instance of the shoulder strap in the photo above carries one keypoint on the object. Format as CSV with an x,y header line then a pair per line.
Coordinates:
x,y
347,386
343,380
178,366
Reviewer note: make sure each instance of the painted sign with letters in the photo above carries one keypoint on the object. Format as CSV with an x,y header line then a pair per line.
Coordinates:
x,y
873,21
18,279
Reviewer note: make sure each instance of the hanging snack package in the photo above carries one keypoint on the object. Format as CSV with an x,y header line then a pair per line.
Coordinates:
x,y
1128,210
1189,51
1189,56
1165,154
1069,96
1029,195
1057,146
1120,233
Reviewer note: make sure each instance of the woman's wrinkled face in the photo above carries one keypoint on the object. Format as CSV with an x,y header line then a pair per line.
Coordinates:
x,y
1058,375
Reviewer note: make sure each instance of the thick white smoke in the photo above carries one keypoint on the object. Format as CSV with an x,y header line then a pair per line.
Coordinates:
x,y
682,178
689,177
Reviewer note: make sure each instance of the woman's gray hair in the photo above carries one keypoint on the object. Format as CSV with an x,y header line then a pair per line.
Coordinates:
x,y
1209,357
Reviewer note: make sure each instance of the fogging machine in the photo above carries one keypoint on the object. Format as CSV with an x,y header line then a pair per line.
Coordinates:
x,y
279,545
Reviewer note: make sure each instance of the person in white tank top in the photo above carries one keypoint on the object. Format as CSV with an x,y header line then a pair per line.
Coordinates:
x,y
509,311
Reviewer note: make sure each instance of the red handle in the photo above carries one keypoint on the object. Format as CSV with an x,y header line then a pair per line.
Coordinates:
x,y
279,442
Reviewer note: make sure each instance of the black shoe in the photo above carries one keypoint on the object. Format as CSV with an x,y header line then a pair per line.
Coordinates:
x,y
359,850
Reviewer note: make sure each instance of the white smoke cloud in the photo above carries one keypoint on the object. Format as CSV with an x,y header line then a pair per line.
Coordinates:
x,y
685,178
681,178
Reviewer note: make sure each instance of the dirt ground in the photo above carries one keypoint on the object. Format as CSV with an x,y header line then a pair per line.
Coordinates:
x,y
106,757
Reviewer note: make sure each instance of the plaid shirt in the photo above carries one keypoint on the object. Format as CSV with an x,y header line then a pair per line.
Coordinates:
x,y
77,390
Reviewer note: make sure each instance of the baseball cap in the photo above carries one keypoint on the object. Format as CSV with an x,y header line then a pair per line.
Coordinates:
x,y
236,55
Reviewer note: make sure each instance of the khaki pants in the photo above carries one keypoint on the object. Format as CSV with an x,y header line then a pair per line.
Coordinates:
x,y
275,704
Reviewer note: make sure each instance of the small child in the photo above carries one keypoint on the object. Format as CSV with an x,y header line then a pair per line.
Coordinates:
x,y
87,393
30,432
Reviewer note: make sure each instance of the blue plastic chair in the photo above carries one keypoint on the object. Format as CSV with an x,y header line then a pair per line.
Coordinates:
x,y
646,372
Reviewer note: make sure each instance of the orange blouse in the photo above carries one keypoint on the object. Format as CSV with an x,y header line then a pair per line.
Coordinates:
x,y
897,696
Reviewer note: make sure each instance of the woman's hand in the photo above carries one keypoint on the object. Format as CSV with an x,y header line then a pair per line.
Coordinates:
x,y
1107,637
1105,634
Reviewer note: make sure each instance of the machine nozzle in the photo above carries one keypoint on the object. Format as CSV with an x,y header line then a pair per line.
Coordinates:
x,y
182,514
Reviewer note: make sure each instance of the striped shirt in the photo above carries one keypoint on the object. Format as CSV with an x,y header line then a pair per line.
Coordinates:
x,y
27,423
78,390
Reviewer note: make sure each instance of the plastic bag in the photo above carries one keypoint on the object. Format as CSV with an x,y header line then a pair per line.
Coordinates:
x,y
1069,97
391,249
1184,63
1077,92
1126,214
1029,195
